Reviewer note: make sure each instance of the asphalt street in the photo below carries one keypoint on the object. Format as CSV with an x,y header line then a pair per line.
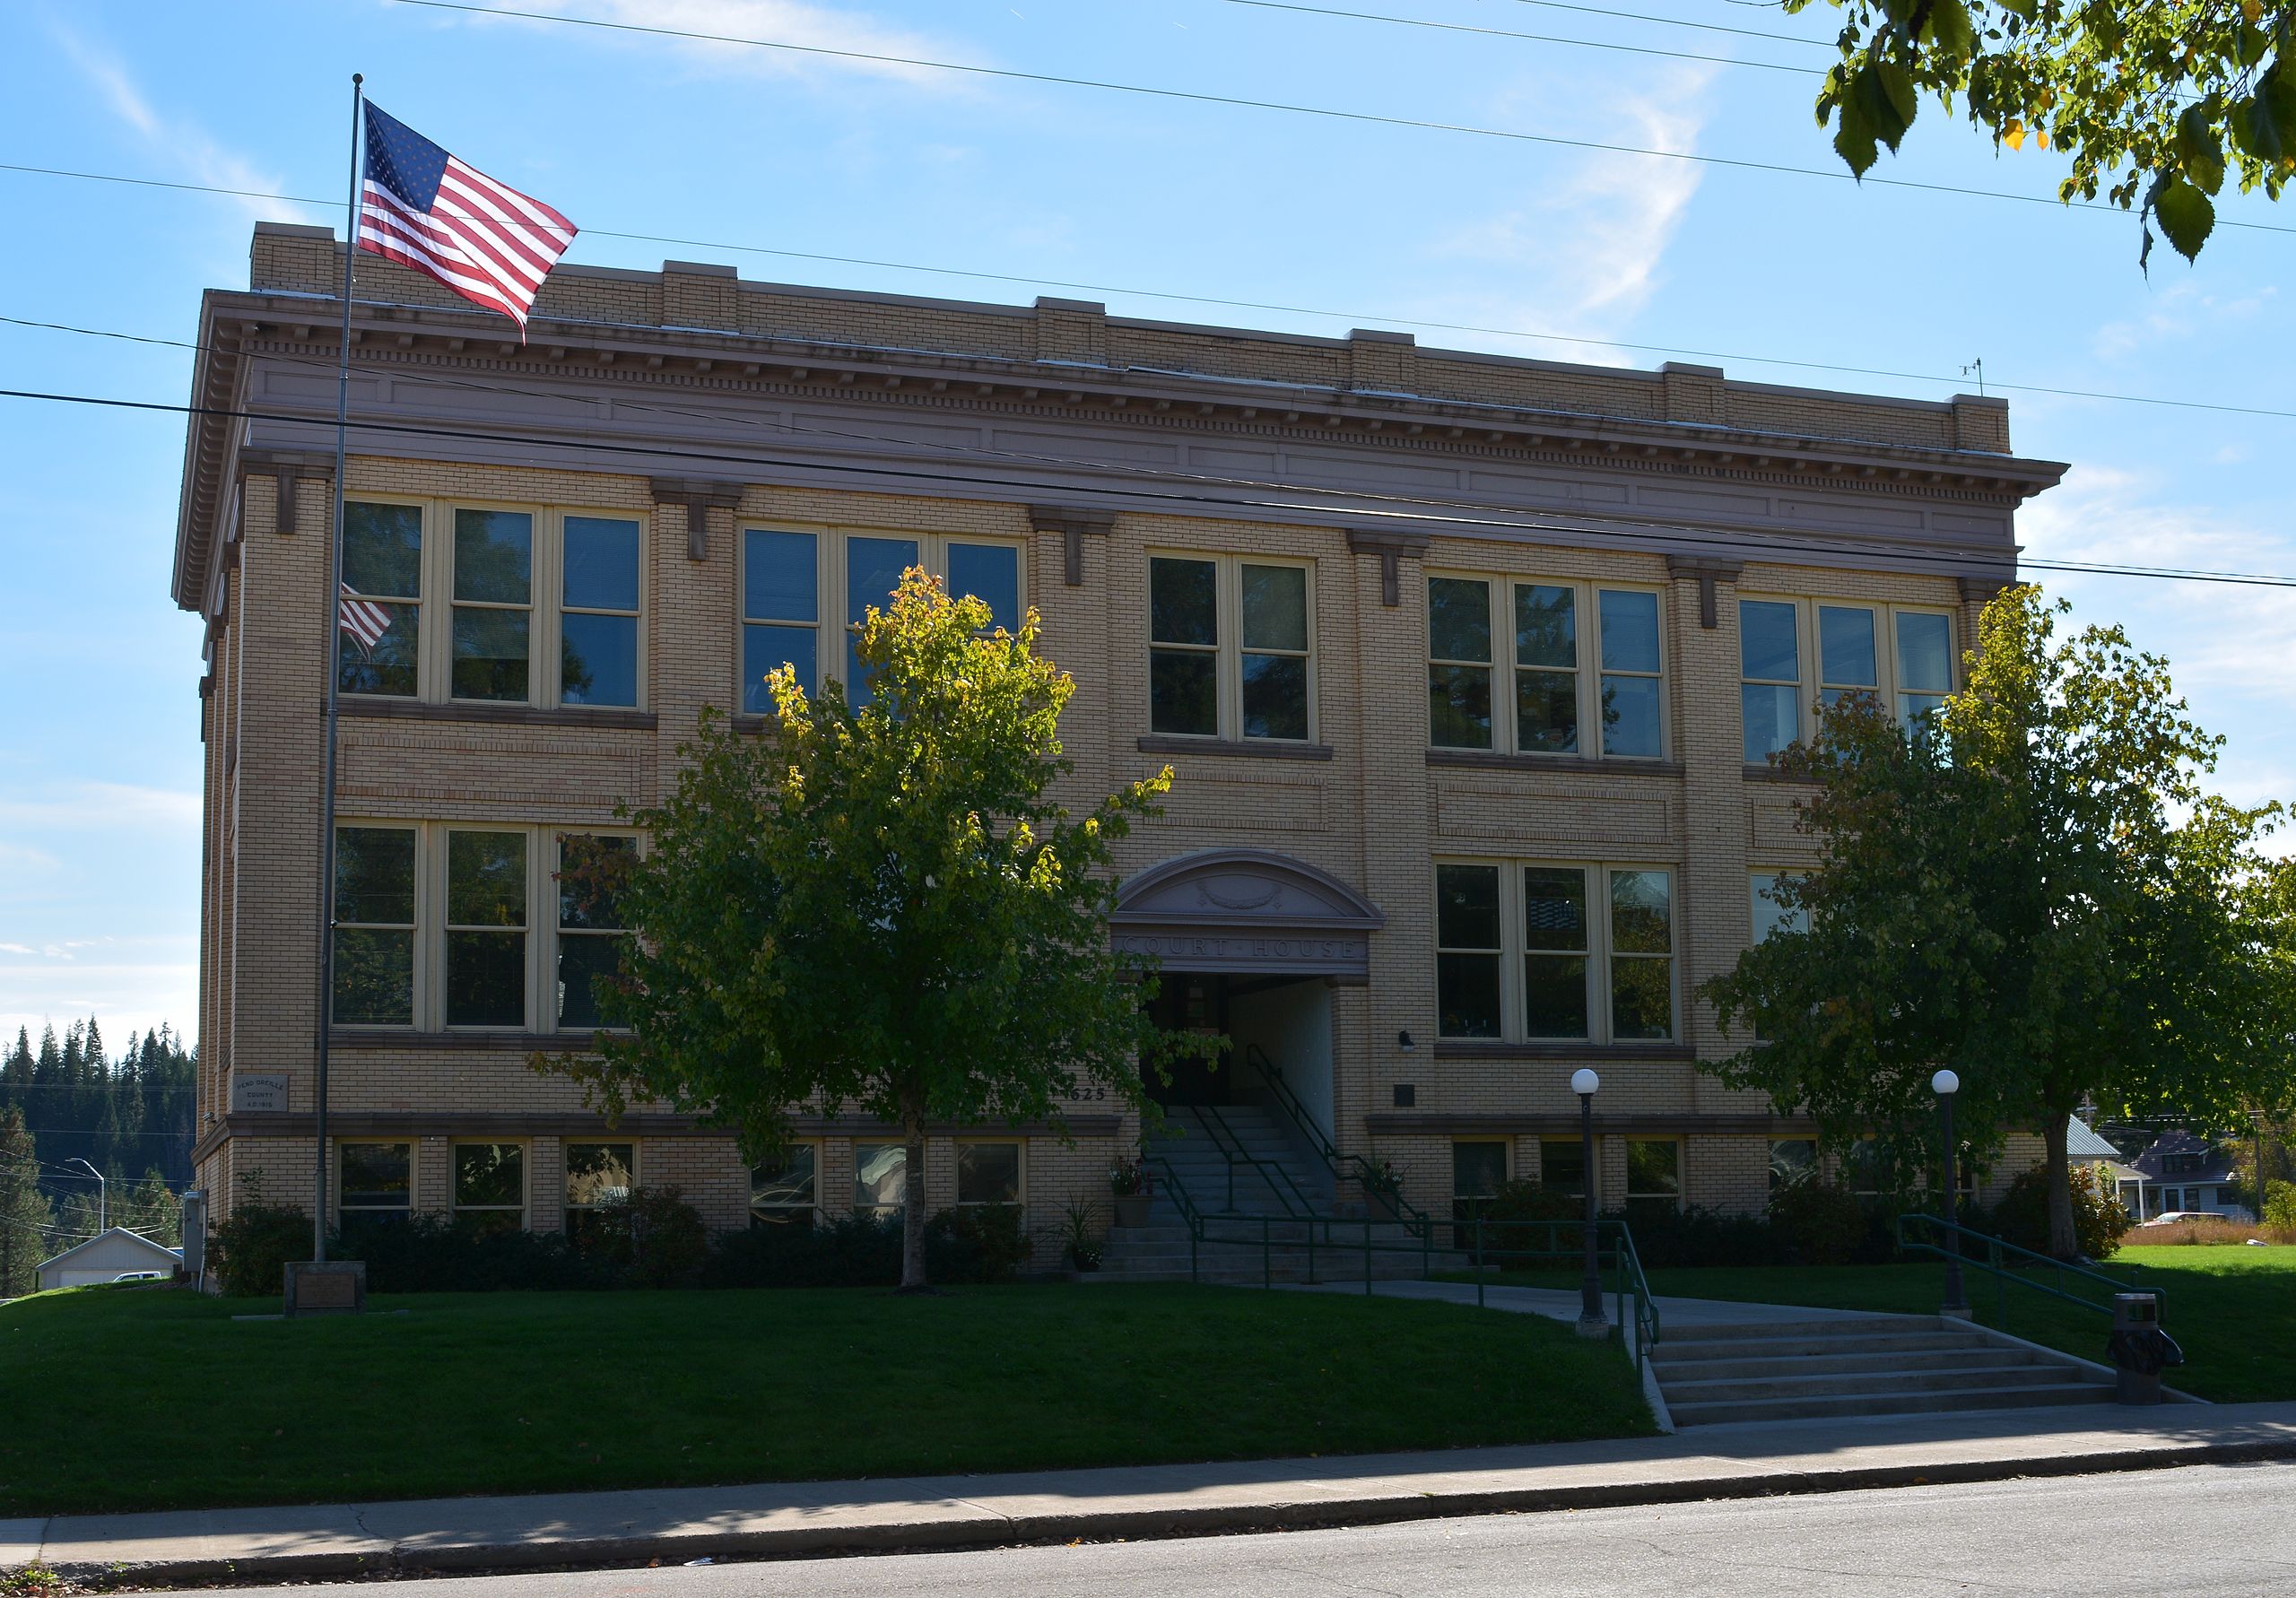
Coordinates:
x,y
2214,1530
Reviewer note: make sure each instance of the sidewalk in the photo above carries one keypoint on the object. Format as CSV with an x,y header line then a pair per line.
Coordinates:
x,y
680,1524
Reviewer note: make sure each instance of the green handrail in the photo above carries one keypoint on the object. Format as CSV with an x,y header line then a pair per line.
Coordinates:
x,y
1230,1148
1995,1250
1613,1237
1343,1167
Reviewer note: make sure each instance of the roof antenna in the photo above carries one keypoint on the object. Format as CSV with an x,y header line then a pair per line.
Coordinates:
x,y
1978,367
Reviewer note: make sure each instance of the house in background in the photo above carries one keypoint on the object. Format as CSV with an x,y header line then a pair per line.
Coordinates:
x,y
2181,1171
107,1256
2090,1150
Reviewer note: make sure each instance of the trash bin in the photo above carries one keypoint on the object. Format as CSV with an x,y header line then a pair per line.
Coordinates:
x,y
2140,1350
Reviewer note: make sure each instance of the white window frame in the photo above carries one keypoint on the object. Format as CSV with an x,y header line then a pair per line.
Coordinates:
x,y
546,608
424,916
813,1212
1228,651
524,1208
542,929
830,629
1514,1019
1019,1145
1887,667
1588,670
413,1147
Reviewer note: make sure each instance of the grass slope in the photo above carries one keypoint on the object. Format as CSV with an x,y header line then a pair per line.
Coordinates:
x,y
2232,1309
115,1399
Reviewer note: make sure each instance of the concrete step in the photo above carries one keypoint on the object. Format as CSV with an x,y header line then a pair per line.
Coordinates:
x,y
1706,1389
1818,1324
1786,1342
1957,1358
1888,1403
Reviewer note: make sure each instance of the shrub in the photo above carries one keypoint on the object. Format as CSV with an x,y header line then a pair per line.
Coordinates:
x,y
978,1243
651,1238
2021,1217
860,1251
1666,1239
250,1249
430,1254
1817,1223
2280,1205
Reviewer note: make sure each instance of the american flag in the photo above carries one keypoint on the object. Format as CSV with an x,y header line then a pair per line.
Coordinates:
x,y
365,621
423,208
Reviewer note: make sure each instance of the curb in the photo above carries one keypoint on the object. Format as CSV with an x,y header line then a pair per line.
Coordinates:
x,y
989,1528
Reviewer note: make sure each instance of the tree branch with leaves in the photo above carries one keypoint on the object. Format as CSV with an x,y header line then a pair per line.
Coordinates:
x,y
2156,103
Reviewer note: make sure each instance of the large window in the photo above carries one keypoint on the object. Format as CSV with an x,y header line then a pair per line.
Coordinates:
x,y
1563,1165
598,1176
374,1184
544,606
1478,1170
589,922
879,1178
1792,1160
1566,952
1230,650
784,1192
785,571
374,925
1654,1176
491,1186
1510,668
989,1173
1797,656
441,925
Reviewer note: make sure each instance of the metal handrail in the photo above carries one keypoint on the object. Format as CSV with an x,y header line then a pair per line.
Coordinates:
x,y
1342,1167
1628,1279
1231,1147
2003,1274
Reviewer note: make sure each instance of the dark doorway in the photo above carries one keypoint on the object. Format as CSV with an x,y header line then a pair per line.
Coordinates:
x,y
1194,1004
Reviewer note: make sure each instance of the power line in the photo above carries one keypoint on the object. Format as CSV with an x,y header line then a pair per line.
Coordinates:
x,y
1589,44
1357,316
1760,547
1328,113
1636,16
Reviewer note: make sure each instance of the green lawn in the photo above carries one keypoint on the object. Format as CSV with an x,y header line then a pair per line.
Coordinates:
x,y
2233,1309
116,1398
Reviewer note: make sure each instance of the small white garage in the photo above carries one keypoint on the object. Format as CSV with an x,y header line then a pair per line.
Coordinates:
x,y
107,1256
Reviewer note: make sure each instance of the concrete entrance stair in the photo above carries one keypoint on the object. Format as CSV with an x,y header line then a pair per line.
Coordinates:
x,y
1280,1185
1873,1365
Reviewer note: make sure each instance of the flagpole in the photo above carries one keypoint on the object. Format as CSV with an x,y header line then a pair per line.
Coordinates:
x,y
331,654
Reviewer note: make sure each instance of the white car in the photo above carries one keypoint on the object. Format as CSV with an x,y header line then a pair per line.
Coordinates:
x,y
2172,1217
141,1276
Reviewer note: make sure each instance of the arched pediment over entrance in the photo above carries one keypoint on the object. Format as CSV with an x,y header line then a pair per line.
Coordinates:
x,y
1246,910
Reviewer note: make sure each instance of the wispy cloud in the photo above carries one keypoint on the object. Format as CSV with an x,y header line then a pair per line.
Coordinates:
x,y
1585,252
191,151
102,806
2179,312
816,28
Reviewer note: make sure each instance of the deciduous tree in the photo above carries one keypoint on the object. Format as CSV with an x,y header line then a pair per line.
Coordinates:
x,y
877,907
2035,892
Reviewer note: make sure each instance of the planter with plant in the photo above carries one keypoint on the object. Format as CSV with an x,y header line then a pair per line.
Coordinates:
x,y
1130,1190
1083,1250
1382,1181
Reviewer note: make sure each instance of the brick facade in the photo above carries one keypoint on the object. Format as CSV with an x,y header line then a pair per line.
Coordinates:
x,y
1086,442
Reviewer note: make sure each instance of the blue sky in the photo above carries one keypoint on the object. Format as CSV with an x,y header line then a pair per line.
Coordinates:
x,y
98,724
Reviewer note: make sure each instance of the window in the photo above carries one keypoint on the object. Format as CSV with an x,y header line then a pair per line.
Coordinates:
x,y
374,1185
1478,1170
879,1178
1230,651
486,929
1903,658
1792,1160
589,924
1769,916
493,608
382,564
598,612
433,925
1507,670
989,1173
374,926
491,1186
544,606
1654,1176
1518,954
1563,1165
598,1175
783,1192
785,572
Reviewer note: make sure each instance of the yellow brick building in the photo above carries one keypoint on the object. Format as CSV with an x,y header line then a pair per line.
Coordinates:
x,y
1466,665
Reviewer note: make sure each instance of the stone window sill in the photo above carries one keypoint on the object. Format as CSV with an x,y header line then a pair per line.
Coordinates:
x,y
1255,749
523,715
1484,760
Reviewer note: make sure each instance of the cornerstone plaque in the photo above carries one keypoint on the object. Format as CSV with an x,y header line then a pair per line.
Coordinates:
x,y
259,1092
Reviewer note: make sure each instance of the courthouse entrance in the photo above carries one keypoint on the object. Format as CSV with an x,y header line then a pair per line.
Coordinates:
x,y
1248,944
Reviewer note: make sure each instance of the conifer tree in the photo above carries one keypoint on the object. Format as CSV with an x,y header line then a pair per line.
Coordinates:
x,y
26,1237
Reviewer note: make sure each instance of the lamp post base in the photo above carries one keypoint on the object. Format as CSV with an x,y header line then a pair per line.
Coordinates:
x,y
1594,1325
